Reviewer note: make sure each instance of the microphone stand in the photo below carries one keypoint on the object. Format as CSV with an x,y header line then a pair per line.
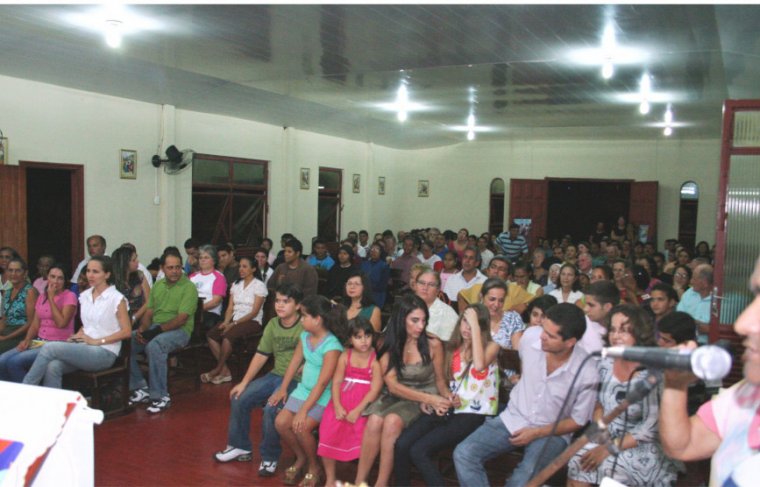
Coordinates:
x,y
597,432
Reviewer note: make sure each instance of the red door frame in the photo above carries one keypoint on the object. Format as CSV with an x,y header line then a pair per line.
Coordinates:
x,y
730,108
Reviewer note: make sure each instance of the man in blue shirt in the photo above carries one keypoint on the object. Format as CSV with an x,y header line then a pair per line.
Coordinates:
x,y
320,259
696,300
512,244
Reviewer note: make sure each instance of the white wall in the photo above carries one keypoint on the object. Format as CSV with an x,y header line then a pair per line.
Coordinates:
x,y
47,123
459,195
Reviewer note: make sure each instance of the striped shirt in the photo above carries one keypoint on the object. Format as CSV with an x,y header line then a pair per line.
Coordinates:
x,y
512,248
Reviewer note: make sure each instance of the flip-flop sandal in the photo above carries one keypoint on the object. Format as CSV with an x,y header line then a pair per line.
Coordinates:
x,y
219,379
293,475
206,377
311,480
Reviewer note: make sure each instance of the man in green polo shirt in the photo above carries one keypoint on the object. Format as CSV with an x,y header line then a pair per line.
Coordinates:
x,y
166,326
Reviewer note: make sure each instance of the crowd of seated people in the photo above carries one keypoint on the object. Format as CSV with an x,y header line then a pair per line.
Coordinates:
x,y
439,306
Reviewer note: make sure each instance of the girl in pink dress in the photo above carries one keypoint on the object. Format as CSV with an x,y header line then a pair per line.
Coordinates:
x,y
357,382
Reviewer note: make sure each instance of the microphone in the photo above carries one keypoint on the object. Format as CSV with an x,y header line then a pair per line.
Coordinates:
x,y
709,362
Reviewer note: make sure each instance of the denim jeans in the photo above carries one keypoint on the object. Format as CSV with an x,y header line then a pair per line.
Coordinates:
x,y
157,350
14,364
421,441
256,394
490,441
58,358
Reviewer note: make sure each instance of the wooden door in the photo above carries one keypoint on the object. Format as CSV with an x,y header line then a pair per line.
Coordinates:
x,y
528,198
643,206
13,209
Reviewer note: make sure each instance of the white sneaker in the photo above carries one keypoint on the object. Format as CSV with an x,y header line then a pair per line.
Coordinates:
x,y
231,453
139,396
159,405
267,469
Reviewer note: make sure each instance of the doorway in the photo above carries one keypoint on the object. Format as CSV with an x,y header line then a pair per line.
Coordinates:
x,y
48,215
328,210
53,212
687,214
575,206
496,207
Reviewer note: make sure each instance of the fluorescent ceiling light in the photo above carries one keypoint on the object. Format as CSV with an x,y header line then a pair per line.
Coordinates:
x,y
477,128
655,97
598,56
97,20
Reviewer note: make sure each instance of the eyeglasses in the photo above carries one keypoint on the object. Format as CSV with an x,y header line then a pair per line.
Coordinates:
x,y
681,274
427,284
353,284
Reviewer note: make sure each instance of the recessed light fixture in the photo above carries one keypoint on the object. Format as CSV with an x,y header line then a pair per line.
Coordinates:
x,y
402,105
402,101
668,119
608,47
645,89
113,33
609,53
112,21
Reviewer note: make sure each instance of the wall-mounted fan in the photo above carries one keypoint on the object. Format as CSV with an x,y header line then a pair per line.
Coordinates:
x,y
175,161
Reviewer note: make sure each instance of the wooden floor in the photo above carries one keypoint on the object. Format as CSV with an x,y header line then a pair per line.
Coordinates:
x,y
175,448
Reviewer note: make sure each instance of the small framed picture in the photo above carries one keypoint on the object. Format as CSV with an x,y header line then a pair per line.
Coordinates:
x,y
128,164
381,185
304,178
357,183
423,188
3,150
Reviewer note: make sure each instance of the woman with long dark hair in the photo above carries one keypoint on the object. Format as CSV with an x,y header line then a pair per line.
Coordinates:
x,y
357,298
413,372
264,271
473,378
53,321
130,282
105,323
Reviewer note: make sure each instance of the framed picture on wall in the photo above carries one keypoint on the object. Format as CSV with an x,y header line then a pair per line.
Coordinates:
x,y
357,183
423,188
381,185
3,150
128,164
304,178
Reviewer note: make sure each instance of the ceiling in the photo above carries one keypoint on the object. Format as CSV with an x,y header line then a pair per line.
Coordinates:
x,y
328,69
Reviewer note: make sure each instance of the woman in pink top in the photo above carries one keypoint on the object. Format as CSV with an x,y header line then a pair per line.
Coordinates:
x,y
53,321
211,285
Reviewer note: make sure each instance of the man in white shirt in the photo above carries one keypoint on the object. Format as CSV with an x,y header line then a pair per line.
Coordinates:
x,y
550,360
96,245
468,276
362,248
601,297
